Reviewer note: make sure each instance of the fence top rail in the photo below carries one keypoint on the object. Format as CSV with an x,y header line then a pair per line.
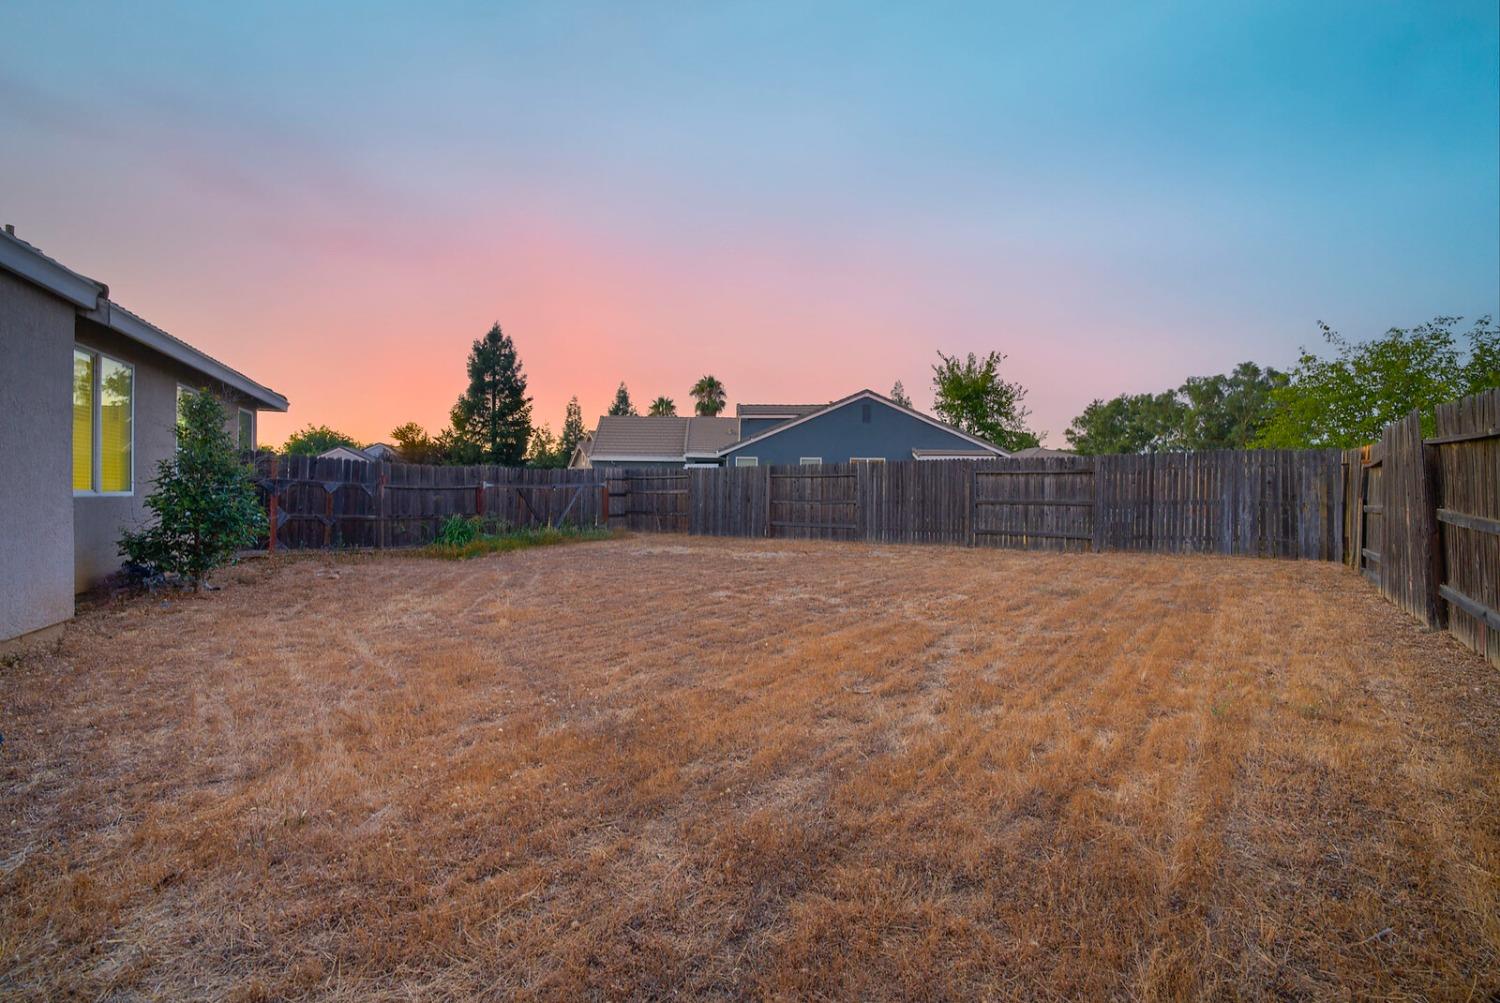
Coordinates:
x,y
1445,440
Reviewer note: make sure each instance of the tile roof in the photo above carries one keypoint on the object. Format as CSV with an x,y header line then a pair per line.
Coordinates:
x,y
666,438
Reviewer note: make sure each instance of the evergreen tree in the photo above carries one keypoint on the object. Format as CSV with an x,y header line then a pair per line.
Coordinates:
x,y
663,407
622,405
572,431
204,500
898,394
493,417
708,392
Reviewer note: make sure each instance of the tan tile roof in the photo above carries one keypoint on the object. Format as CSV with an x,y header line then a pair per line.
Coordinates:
x,y
709,435
645,436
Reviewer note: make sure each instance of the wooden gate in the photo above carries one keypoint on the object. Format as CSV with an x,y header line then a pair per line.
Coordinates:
x,y
654,499
813,503
1037,504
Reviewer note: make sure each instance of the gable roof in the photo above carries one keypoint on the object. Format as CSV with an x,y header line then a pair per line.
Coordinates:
x,y
91,297
866,394
664,438
775,410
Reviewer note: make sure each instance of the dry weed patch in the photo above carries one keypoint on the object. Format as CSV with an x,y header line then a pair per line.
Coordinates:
x,y
649,768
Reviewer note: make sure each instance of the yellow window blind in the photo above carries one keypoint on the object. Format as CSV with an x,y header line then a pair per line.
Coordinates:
x,y
83,421
116,393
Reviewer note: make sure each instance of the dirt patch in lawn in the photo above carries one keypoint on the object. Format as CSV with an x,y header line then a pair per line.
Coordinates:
x,y
654,767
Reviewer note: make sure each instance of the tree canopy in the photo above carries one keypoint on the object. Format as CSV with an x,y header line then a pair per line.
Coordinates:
x,y
708,395
572,430
971,394
663,407
1348,399
621,404
1226,411
315,439
491,422
898,394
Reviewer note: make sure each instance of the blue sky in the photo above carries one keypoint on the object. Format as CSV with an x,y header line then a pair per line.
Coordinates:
x,y
802,199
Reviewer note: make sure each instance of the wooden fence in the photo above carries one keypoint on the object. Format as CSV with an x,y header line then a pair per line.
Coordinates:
x,y
1427,528
1270,503
318,503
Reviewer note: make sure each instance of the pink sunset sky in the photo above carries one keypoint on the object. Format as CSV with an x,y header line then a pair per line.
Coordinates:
x,y
802,205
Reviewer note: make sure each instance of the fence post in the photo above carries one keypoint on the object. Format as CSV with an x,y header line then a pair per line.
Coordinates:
x,y
1430,532
271,538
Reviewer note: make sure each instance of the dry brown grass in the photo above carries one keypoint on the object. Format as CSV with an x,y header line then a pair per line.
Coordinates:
x,y
655,767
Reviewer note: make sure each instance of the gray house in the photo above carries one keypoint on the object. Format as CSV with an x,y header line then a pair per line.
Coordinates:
x,y
89,393
864,426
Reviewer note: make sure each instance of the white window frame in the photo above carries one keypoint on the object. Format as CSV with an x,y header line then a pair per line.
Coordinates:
x,y
810,461
241,445
96,420
867,459
747,461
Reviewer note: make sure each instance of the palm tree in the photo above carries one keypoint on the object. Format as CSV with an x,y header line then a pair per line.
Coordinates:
x,y
663,407
709,393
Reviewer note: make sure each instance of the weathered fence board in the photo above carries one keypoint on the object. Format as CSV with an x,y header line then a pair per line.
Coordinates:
x,y
1465,455
1270,503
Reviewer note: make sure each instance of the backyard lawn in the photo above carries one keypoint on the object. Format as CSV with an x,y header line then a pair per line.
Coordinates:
x,y
679,767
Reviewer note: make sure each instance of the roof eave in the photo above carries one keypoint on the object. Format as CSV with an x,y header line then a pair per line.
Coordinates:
x,y
29,263
122,321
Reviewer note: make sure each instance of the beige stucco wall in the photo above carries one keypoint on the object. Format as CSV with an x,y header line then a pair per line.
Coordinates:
x,y
98,521
36,491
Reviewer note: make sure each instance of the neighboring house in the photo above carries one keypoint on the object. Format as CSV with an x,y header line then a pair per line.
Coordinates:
x,y
864,426
581,457
369,454
89,394
649,441
1034,451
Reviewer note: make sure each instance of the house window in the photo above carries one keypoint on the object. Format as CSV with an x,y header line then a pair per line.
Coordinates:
x,y
103,425
811,461
867,459
747,461
247,429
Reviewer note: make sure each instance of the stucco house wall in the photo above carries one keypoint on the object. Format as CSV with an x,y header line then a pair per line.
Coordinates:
x,y
863,428
99,519
36,370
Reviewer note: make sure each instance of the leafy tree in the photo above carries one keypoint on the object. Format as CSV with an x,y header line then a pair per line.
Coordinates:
x,y
1226,411
898,394
204,501
663,407
1206,412
545,450
622,404
314,439
708,393
492,420
1347,400
572,431
971,394
415,445
1129,423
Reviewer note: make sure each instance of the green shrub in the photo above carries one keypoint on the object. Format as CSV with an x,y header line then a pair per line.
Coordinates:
x,y
204,501
457,531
